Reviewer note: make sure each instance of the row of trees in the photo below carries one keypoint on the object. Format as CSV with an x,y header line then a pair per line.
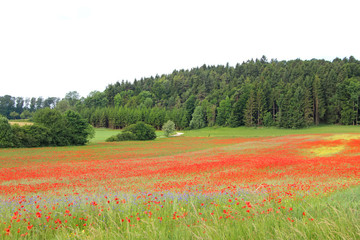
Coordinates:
x,y
135,132
121,117
288,94
19,107
50,128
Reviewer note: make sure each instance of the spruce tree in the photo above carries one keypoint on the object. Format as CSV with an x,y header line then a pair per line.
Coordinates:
x,y
250,110
260,105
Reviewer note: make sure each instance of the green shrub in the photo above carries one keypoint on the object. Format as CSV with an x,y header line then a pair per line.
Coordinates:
x,y
124,136
6,134
48,117
31,136
51,128
139,131
26,114
14,115
78,130
53,120
112,139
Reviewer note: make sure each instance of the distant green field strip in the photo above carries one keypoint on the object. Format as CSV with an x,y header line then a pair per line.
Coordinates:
x,y
268,132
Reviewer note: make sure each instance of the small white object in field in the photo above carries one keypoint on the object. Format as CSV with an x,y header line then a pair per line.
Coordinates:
x,y
177,134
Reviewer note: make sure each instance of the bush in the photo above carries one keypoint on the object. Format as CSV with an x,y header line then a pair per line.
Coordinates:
x,y
6,134
25,114
124,136
139,131
31,136
55,122
14,115
51,128
168,128
67,129
112,139
48,117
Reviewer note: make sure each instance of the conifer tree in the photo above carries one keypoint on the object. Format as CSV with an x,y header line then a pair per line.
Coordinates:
x,y
250,110
260,105
319,109
308,110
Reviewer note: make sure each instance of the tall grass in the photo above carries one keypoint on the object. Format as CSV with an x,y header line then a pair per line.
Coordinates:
x,y
336,216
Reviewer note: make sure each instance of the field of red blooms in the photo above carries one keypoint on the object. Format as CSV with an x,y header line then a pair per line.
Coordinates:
x,y
194,179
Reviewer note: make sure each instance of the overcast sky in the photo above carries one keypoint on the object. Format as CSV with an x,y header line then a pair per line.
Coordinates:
x,y
48,48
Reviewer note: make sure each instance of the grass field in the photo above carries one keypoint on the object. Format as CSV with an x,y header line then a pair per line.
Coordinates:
x,y
268,132
213,183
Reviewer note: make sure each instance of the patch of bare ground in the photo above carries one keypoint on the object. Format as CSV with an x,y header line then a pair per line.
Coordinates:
x,y
21,123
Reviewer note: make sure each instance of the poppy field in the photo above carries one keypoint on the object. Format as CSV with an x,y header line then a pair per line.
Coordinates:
x,y
302,186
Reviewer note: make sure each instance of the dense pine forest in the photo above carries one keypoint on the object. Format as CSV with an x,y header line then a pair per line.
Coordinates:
x,y
286,94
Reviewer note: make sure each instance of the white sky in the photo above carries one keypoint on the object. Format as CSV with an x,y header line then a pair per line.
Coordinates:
x,y
48,48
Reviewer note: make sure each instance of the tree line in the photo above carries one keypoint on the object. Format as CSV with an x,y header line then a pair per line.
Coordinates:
x,y
19,107
288,94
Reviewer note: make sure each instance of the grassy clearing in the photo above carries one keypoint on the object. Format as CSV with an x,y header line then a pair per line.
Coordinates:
x,y
268,132
101,134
